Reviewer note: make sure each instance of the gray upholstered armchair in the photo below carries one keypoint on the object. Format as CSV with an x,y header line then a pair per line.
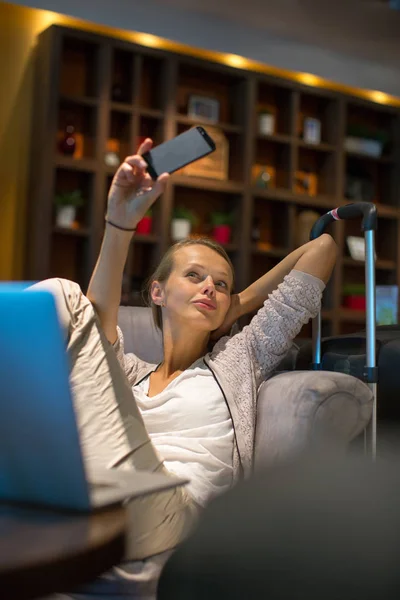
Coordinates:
x,y
295,408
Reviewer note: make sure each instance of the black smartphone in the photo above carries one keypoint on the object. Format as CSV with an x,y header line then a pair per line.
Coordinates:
x,y
179,152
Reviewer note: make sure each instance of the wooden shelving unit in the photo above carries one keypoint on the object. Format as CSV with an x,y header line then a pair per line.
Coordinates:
x,y
115,90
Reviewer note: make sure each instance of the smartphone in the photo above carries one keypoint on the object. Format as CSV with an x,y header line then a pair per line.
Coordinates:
x,y
179,152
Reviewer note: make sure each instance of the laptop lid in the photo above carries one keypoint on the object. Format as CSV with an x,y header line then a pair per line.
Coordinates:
x,y
40,455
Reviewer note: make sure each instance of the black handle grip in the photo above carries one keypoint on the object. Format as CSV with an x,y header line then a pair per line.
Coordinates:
x,y
367,210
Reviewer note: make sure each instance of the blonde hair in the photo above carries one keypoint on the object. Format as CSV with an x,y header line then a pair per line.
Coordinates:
x,y
164,269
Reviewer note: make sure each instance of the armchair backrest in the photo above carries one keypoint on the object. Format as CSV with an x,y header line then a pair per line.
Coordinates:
x,y
140,334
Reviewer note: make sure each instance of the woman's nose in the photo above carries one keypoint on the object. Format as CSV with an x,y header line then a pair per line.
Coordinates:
x,y
208,286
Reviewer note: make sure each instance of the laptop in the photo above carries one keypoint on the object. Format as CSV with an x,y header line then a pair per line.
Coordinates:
x,y
41,462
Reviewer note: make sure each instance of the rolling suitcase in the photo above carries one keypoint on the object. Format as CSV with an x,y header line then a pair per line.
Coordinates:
x,y
355,355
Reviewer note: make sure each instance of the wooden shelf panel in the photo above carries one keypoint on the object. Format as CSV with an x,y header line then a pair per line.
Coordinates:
x,y
78,232
318,147
79,164
377,159
145,239
279,138
352,316
384,265
81,100
272,252
227,127
213,185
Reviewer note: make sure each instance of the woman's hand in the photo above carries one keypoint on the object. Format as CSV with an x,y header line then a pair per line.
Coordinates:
x,y
133,191
233,314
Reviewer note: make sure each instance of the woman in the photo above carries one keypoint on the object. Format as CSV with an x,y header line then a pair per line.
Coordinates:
x,y
197,408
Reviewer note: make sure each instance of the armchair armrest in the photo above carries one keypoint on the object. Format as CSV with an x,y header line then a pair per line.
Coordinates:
x,y
301,408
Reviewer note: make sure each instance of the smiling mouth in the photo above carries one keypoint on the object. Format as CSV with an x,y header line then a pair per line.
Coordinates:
x,y
204,305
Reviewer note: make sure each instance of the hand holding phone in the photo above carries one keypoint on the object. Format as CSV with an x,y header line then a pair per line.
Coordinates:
x,y
179,152
133,191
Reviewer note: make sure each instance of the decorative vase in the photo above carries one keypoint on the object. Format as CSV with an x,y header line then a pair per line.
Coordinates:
x,y
222,234
68,143
180,229
65,216
144,226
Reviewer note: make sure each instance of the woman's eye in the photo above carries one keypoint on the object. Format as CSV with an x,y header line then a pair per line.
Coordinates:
x,y
222,284
193,274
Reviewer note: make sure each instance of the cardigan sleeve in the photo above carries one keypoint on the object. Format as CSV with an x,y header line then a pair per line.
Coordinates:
x,y
271,331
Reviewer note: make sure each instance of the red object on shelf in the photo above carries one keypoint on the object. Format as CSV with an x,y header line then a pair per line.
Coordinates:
x,y
355,302
144,226
222,234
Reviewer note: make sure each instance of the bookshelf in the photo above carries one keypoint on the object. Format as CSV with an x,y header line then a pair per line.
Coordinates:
x,y
116,93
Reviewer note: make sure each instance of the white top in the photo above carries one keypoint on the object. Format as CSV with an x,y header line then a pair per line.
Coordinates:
x,y
190,425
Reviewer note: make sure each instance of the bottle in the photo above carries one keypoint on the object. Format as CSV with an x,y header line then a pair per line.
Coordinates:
x,y
68,143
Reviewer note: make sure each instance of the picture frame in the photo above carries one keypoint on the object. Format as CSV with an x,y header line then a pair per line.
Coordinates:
x,y
214,165
203,108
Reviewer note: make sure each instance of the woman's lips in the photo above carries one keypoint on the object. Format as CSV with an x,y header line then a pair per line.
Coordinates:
x,y
204,305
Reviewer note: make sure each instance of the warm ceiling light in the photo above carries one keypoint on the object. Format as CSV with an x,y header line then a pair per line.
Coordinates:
x,y
233,60
308,79
379,97
146,39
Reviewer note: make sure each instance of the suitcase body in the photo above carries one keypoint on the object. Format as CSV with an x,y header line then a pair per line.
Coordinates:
x,y
347,354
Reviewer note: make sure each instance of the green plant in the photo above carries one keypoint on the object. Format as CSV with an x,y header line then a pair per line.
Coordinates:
x,y
74,198
181,212
354,289
220,218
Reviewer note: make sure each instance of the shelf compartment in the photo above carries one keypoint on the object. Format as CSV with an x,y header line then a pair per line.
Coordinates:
x,y
324,109
203,183
371,122
227,89
203,203
68,181
141,262
152,90
385,237
270,227
317,172
122,76
69,258
150,127
119,137
274,157
371,181
192,122
235,156
83,119
78,68
278,101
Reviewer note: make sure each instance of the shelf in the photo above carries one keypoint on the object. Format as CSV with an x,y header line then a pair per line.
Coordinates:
x,y
227,127
81,232
282,195
88,165
378,159
319,147
383,265
326,315
272,252
212,185
150,112
352,316
279,138
82,100
150,238
122,107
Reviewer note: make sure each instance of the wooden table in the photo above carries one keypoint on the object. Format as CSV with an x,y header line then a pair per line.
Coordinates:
x,y
42,551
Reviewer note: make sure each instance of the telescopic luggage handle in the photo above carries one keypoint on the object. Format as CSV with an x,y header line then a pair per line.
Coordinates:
x,y
366,210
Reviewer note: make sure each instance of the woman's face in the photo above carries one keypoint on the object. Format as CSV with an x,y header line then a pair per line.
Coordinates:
x,y
198,289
